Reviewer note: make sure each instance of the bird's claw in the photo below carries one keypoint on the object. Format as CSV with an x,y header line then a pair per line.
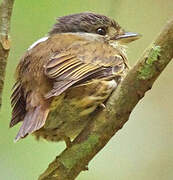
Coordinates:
x,y
67,141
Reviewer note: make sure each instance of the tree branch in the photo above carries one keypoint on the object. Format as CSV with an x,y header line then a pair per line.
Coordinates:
x,y
6,7
105,123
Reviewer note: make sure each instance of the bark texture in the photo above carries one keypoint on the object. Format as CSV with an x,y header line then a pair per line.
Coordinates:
x,y
106,122
6,7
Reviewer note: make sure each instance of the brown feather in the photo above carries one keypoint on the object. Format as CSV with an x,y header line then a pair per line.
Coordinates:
x,y
34,120
51,67
72,66
18,104
58,59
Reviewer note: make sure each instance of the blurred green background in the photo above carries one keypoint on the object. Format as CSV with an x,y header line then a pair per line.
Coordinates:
x,y
143,149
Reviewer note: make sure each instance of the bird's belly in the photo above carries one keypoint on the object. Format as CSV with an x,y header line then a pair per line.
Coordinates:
x,y
69,112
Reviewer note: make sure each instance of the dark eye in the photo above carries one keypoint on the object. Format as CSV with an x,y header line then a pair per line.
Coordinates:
x,y
101,31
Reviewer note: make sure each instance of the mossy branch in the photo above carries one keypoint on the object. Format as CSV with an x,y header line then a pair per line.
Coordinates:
x,y
105,123
6,7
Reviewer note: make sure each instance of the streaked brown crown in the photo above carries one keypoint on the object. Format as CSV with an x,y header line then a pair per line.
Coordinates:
x,y
83,22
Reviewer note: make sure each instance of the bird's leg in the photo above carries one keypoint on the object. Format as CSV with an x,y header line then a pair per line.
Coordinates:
x,y
67,141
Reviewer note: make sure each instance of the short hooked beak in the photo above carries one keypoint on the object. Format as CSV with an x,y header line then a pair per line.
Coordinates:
x,y
127,37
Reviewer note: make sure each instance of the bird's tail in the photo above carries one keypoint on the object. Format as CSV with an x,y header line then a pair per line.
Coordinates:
x,y
34,119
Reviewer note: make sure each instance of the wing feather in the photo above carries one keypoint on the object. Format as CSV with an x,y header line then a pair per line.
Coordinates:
x,y
75,66
34,119
58,59
18,104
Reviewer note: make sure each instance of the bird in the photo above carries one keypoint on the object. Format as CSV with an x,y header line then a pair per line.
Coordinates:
x,y
66,76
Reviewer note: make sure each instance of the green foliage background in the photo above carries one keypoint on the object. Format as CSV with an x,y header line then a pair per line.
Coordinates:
x,y
142,150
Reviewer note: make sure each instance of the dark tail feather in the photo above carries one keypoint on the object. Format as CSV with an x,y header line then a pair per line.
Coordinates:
x,y
18,104
34,120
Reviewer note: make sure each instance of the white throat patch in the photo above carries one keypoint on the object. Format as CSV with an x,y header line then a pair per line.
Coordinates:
x,y
122,48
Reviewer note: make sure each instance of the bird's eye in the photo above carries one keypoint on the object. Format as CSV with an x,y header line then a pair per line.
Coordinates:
x,y
101,31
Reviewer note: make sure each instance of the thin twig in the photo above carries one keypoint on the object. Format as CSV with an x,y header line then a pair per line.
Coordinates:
x,y
6,7
105,123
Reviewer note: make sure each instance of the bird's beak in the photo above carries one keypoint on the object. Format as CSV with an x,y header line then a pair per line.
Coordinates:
x,y
127,37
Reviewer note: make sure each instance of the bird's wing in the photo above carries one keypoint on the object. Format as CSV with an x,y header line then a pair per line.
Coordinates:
x,y
18,104
73,67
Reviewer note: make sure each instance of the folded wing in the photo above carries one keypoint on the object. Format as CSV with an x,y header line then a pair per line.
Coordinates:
x,y
67,69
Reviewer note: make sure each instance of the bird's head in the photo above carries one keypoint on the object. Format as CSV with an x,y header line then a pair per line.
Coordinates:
x,y
96,24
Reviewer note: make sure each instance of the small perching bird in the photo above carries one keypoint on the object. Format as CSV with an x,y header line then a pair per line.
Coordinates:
x,y
68,74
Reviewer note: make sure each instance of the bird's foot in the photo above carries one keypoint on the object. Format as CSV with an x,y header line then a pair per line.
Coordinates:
x,y
67,141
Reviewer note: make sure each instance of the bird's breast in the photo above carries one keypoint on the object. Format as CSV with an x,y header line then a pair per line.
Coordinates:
x,y
69,111
81,100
